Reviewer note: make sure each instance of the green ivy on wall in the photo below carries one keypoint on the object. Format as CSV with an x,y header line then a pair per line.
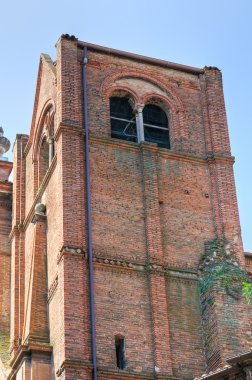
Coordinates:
x,y
219,267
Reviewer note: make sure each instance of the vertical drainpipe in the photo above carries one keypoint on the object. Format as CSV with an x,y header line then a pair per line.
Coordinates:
x,y
89,221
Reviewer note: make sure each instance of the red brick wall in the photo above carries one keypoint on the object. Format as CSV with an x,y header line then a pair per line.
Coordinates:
x,y
123,307
185,210
185,327
117,210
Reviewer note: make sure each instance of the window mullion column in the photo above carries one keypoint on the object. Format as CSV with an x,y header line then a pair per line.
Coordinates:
x,y
51,149
139,123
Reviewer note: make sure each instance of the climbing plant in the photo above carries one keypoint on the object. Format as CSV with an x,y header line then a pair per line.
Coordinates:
x,y
218,266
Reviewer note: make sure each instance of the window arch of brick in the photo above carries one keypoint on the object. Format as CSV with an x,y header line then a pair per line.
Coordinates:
x,y
110,82
43,144
122,91
45,126
168,108
177,115
157,120
161,101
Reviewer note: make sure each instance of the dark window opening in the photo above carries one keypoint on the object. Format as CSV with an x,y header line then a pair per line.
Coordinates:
x,y
156,126
43,160
120,352
123,121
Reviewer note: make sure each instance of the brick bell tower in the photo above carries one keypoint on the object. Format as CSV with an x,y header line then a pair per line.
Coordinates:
x,y
124,214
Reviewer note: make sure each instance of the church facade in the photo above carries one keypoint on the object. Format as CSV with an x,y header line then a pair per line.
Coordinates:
x,y
120,242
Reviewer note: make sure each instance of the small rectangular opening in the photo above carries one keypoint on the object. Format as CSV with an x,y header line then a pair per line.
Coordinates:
x,y
120,351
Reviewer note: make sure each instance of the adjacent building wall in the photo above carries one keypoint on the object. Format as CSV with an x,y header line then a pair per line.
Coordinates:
x,y
5,261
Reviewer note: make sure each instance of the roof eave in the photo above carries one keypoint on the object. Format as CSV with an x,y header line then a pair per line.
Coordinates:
x,y
141,58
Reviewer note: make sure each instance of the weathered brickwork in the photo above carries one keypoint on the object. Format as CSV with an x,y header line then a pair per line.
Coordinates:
x,y
226,318
116,305
185,327
153,210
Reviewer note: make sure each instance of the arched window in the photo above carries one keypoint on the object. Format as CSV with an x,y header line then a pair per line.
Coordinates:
x,y
148,123
155,124
43,160
43,147
123,121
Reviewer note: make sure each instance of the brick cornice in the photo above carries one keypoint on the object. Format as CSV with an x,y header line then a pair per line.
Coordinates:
x,y
120,264
220,159
25,350
131,146
109,373
108,141
148,147
146,267
77,128
70,251
114,374
161,152
171,155
73,363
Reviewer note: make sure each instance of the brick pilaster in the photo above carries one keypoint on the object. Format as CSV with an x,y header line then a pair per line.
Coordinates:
x,y
71,155
160,320
69,83
224,201
17,236
160,324
151,202
217,138
36,325
74,275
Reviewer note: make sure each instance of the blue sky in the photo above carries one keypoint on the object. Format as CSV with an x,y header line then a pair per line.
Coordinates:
x,y
192,32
